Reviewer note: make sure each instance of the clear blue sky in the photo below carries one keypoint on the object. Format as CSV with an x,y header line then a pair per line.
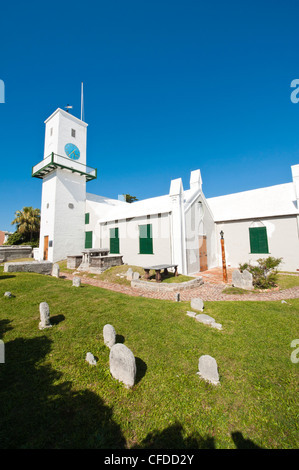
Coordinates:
x,y
170,86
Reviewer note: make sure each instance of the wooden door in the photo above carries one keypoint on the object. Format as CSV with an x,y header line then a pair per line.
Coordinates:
x,y
203,256
46,246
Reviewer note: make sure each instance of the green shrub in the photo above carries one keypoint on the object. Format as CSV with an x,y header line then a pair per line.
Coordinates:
x,y
264,273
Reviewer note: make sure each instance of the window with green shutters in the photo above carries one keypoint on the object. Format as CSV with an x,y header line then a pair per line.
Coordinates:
x,y
258,240
87,218
145,239
114,241
88,239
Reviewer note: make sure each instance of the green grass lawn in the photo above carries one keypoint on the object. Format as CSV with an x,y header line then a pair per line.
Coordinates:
x,y
51,398
117,274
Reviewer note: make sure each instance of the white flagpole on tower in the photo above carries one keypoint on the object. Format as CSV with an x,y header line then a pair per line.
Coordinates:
x,y
82,103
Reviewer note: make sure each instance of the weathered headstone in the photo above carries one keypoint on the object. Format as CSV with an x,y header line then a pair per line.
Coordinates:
x,y
90,359
242,280
197,304
109,335
129,274
44,316
247,280
135,276
206,319
208,370
122,364
76,281
55,270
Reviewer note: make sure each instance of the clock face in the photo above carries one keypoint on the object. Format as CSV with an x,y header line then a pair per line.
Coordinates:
x,y
72,151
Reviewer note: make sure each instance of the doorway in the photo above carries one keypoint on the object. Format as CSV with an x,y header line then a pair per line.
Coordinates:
x,y
46,247
203,255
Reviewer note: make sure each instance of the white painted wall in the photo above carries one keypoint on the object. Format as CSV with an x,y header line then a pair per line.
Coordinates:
x,y
129,240
58,134
283,241
64,225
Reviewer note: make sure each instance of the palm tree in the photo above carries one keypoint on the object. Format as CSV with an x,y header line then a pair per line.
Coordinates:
x,y
27,221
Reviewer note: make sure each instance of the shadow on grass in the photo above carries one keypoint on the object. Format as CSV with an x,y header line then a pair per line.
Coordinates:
x,y
38,410
4,327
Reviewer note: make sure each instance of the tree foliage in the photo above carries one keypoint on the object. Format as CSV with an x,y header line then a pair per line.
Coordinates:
x,y
129,198
27,221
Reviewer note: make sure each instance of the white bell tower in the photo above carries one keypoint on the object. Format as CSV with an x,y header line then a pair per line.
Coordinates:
x,y
64,173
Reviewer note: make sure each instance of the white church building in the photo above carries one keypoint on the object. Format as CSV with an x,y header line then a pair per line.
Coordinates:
x,y
181,227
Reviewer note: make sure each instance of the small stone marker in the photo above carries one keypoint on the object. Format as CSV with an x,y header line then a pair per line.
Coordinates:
x,y
177,297
197,304
129,274
135,276
208,370
122,364
7,294
76,281
44,316
55,270
109,335
90,359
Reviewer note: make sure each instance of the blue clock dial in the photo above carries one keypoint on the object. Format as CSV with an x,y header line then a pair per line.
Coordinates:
x,y
72,151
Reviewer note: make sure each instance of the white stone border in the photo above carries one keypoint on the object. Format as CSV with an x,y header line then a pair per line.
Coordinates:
x,y
171,287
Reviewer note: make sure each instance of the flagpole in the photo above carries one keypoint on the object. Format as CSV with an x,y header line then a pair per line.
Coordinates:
x,y
82,102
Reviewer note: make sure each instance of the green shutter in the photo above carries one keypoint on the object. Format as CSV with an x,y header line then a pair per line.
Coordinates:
x,y
87,218
145,239
88,239
258,240
114,241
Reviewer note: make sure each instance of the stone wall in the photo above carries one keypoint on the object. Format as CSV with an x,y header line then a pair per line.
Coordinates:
x,y
11,252
40,267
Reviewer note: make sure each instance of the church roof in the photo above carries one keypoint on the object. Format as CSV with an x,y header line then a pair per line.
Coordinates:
x,y
154,205
272,201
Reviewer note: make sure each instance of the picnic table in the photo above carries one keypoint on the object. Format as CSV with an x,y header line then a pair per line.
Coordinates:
x,y
158,270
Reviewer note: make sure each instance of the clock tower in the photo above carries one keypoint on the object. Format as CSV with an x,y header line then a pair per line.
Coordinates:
x,y
64,173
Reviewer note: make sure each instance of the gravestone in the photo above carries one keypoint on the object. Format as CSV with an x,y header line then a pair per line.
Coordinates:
x,y
136,276
242,280
44,316
197,304
206,319
90,359
76,281
122,364
129,274
208,370
247,280
109,335
55,270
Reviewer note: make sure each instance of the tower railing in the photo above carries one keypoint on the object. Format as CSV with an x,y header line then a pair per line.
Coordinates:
x,y
53,161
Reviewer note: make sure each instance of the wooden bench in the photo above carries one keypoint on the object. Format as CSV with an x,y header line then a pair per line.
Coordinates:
x,y
158,270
